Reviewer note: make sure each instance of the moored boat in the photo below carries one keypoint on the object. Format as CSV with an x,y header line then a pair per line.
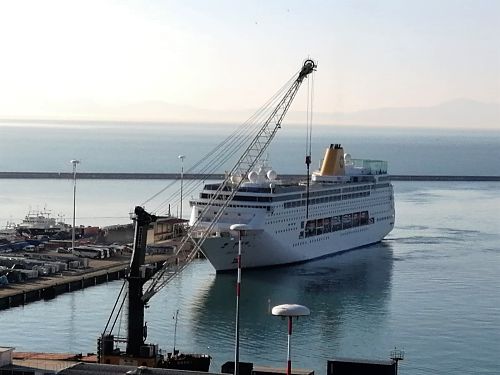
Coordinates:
x,y
37,223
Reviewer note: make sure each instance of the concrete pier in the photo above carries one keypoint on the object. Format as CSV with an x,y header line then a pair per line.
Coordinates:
x,y
101,271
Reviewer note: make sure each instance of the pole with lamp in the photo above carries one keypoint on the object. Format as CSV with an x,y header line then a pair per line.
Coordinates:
x,y
240,228
75,163
181,157
290,311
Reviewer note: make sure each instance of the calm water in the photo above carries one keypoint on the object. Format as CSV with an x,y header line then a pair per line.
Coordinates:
x,y
431,288
135,147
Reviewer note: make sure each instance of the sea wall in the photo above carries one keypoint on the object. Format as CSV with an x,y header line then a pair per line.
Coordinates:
x,y
195,176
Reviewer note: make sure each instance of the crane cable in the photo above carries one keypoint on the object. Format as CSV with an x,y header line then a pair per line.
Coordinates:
x,y
225,150
309,112
261,140
239,141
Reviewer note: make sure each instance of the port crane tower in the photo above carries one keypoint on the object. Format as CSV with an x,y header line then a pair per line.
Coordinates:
x,y
143,285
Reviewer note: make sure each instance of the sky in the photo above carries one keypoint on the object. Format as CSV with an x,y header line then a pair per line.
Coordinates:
x,y
95,57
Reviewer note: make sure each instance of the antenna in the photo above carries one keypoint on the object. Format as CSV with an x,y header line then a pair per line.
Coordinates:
x,y
397,355
175,328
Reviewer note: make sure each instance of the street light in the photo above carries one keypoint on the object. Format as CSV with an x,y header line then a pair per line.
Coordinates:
x,y
240,228
290,311
74,162
182,157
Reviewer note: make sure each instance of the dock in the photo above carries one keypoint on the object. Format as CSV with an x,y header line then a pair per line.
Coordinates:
x,y
98,272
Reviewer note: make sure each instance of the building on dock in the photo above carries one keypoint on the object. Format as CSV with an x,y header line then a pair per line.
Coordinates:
x,y
165,228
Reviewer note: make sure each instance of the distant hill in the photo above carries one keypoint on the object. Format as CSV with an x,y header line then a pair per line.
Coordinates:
x,y
458,113
461,113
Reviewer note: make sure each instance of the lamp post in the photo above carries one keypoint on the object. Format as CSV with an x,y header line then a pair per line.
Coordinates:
x,y
75,163
290,311
182,157
240,228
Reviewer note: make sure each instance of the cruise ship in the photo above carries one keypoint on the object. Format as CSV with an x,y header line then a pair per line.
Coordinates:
x,y
348,203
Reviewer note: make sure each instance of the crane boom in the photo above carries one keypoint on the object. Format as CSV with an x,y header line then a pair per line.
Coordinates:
x,y
231,183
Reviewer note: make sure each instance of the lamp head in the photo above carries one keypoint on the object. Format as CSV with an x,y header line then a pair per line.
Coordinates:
x,y
290,310
239,227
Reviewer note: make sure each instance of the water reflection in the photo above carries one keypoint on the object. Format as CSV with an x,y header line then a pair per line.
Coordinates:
x,y
349,298
347,294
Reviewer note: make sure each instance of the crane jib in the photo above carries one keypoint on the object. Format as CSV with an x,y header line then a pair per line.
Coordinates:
x,y
308,67
243,166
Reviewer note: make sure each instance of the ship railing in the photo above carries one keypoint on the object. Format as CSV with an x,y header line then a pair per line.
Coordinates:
x,y
373,166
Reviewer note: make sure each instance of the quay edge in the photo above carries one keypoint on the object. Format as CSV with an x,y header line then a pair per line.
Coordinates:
x,y
35,291
23,293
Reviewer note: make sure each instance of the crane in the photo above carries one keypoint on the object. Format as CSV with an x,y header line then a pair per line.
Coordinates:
x,y
232,182
138,278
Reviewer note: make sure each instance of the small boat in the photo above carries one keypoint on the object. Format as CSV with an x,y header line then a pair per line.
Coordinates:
x,y
9,232
37,223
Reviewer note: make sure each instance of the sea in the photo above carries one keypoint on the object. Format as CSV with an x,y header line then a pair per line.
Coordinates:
x,y
429,288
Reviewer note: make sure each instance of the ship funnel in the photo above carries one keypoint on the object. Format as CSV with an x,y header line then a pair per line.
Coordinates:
x,y
333,163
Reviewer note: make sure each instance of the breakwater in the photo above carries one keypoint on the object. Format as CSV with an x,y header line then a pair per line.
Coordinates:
x,y
195,176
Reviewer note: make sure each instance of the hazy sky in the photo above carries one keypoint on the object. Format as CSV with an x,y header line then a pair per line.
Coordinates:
x,y
232,55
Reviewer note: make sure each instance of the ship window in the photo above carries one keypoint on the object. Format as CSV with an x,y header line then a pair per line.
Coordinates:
x,y
311,228
336,223
326,225
346,221
363,218
355,219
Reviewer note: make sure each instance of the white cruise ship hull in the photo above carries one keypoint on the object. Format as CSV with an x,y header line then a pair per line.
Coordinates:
x,y
260,249
280,236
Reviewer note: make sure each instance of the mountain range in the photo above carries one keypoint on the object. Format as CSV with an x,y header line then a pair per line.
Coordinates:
x,y
458,113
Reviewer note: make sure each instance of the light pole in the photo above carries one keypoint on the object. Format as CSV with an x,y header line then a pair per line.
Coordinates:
x,y
182,157
75,163
290,311
240,228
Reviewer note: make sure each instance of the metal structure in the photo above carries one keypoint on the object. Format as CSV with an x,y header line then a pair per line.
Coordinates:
x,y
240,228
136,280
138,352
234,178
75,163
290,311
141,277
181,157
